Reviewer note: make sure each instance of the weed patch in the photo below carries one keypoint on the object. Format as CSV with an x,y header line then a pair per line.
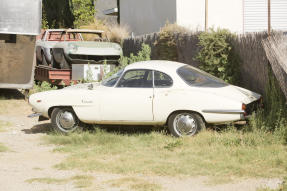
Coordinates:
x,y
4,125
80,181
3,148
135,184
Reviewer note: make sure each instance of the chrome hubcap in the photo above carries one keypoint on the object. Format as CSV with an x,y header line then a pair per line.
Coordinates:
x,y
185,124
66,120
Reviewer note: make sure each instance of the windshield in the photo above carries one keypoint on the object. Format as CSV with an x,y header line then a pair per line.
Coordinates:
x,y
195,77
111,81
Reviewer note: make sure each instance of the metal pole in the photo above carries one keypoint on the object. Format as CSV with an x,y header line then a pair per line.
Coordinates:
x,y
206,15
269,17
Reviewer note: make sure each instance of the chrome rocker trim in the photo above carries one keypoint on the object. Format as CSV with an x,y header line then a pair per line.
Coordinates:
x,y
223,111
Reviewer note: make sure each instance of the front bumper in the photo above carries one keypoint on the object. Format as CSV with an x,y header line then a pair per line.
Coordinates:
x,y
92,59
41,117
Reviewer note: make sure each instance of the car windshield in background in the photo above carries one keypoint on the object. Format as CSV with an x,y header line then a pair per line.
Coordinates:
x,y
196,77
111,81
94,37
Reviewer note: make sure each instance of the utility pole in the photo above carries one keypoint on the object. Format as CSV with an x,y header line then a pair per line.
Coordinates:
x,y
206,15
269,17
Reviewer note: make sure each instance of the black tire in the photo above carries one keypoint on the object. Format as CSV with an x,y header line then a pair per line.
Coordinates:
x,y
38,62
44,60
54,64
58,127
64,64
185,124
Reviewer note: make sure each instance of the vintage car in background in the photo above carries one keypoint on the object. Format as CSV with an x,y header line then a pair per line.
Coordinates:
x,y
60,48
148,93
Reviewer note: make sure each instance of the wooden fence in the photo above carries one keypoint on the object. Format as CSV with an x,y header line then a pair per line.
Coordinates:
x,y
253,60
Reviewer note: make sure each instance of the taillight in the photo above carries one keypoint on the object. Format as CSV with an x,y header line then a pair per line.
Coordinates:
x,y
244,109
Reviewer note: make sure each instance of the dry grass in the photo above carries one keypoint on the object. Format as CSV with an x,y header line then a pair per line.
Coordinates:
x,y
174,28
115,33
226,154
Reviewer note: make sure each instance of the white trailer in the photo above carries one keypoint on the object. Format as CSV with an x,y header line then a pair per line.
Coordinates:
x,y
20,22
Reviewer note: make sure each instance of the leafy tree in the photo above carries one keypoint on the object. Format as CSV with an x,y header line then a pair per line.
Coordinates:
x,y
67,13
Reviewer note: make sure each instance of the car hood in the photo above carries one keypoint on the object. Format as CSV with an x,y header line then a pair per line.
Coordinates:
x,y
91,48
235,93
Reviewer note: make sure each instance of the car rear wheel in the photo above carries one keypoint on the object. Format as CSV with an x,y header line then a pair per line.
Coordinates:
x,y
64,120
185,124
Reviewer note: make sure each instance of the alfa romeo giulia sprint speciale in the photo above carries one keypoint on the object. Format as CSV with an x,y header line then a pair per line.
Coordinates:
x,y
154,93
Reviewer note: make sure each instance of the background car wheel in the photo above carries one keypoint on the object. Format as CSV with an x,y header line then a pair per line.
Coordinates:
x,y
54,64
64,64
185,124
44,61
64,121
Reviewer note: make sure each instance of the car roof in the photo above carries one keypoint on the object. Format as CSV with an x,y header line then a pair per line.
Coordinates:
x,y
161,65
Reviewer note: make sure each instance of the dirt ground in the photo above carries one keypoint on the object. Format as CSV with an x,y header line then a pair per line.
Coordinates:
x,y
28,158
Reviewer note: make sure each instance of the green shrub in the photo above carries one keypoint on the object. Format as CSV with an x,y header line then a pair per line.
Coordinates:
x,y
67,13
216,55
142,55
42,87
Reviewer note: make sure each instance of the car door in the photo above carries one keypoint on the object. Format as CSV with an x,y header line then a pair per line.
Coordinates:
x,y
164,96
130,100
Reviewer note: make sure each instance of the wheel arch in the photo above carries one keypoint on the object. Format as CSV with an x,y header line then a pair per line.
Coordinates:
x,y
50,110
188,111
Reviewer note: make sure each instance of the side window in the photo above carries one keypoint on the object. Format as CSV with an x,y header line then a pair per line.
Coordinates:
x,y
136,79
162,80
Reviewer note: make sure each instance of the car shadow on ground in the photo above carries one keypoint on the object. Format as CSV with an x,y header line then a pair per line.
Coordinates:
x,y
45,128
39,129
128,130
11,94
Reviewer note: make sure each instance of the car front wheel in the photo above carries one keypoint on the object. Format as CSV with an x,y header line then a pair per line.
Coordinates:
x,y
185,124
64,120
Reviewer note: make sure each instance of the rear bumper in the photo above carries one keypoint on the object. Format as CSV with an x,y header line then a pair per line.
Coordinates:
x,y
253,107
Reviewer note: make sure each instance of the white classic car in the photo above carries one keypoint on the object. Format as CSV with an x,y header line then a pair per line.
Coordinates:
x,y
148,93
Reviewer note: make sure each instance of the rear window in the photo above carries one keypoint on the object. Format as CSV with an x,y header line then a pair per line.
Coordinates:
x,y
195,77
